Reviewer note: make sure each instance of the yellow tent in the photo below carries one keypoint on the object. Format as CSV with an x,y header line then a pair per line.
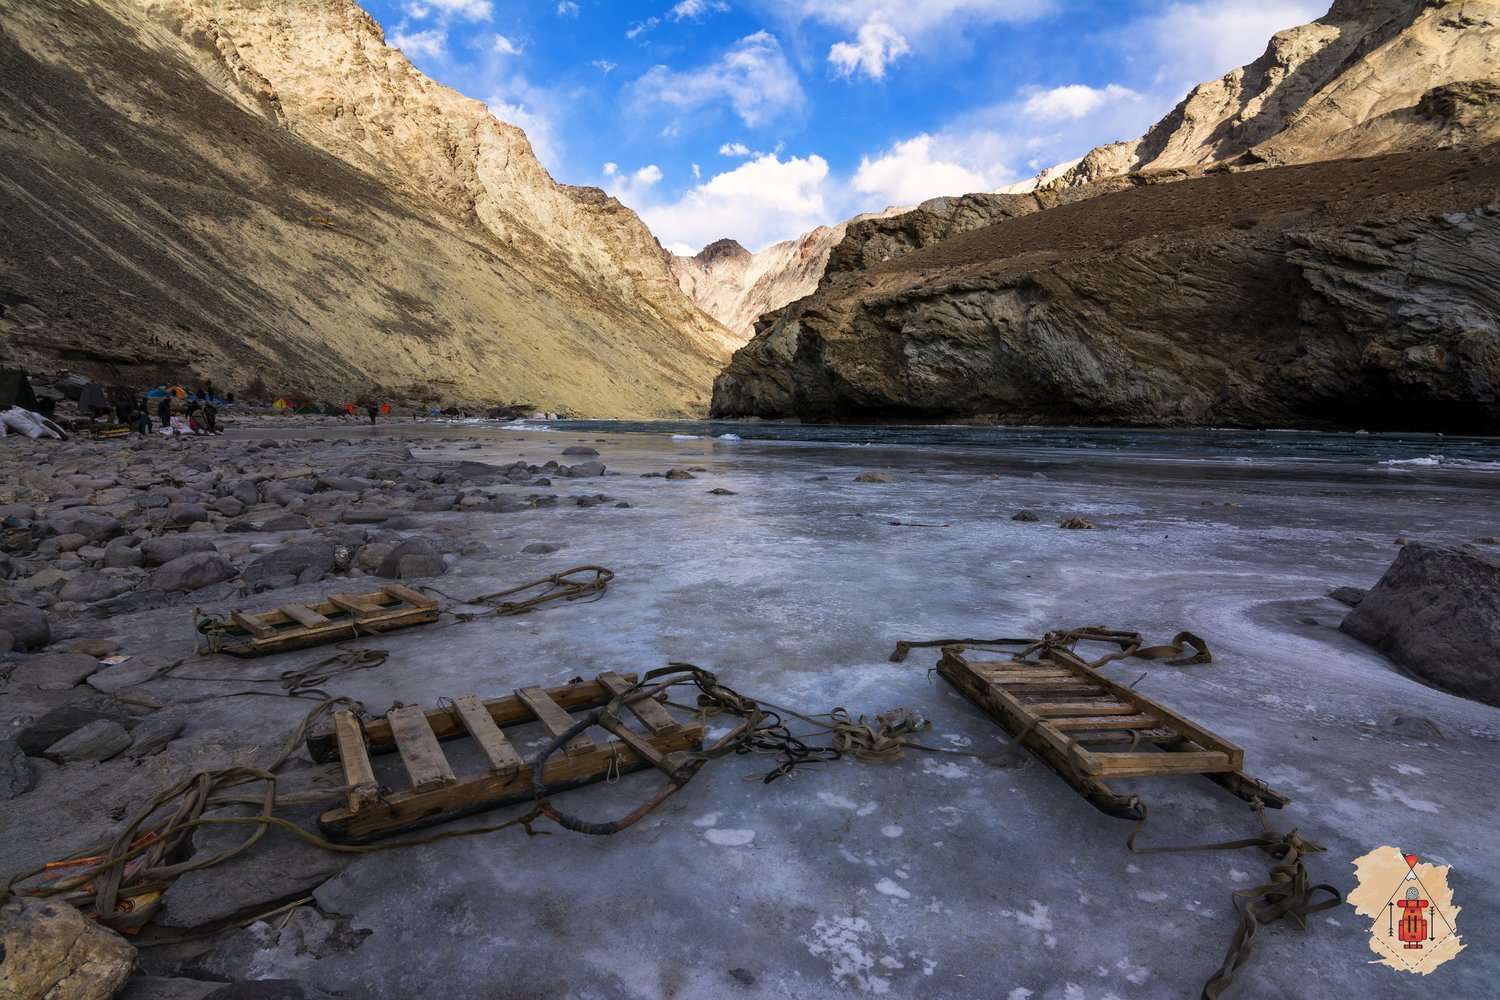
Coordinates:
x,y
282,404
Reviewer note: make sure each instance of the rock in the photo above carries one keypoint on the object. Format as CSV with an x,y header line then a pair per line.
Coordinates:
x,y
134,671
16,774
286,522
28,626
7,641
541,548
190,572
229,506
99,740
168,988
415,557
680,474
371,556
720,491
1077,523
1348,595
872,477
50,578
246,492
97,648
153,733
124,553
1026,516
311,559
1436,611
39,734
159,551
581,450
70,543
90,588
270,989
1417,727
585,470
55,671
93,526
50,951
183,515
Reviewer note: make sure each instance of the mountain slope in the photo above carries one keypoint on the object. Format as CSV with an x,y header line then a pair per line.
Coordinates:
x,y
217,189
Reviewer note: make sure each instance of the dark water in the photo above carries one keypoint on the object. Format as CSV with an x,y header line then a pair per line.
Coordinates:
x,y
1416,450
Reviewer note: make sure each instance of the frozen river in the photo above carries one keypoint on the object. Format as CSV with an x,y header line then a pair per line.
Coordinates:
x,y
936,876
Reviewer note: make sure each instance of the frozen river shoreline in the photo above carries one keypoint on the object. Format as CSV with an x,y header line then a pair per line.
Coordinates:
x,y
933,876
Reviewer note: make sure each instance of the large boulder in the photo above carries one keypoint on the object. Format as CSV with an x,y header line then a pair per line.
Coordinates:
x,y
99,740
124,552
192,571
1437,613
90,588
16,774
28,626
95,526
41,733
53,951
415,557
182,515
55,671
307,562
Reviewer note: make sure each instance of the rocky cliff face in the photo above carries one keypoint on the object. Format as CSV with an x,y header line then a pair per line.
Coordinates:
x,y
217,188
1370,77
737,287
1347,294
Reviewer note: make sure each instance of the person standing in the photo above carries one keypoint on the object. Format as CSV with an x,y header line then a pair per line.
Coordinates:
x,y
372,410
164,411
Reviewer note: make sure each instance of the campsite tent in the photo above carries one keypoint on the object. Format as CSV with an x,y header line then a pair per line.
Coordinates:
x,y
15,390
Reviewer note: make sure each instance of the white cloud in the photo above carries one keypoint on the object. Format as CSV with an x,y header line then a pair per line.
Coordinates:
x,y
529,116
688,9
877,46
734,149
1075,101
753,78
567,8
697,172
604,66
432,43
641,27
1192,42
505,47
758,202
632,187
913,171
468,10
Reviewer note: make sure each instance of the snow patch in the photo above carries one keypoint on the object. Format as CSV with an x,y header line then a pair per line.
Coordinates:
x,y
709,819
892,830
1390,793
729,838
844,942
890,888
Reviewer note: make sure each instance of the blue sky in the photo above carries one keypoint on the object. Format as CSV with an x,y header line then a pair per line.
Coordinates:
x,y
759,119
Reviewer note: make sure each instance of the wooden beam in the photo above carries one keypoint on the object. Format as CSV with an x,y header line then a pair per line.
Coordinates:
x,y
556,719
1068,723
1140,765
303,616
358,774
497,749
1058,709
249,624
419,748
415,598
651,713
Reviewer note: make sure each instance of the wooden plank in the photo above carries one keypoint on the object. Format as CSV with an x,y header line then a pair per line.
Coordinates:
x,y
507,711
251,625
1140,765
556,720
1128,737
1196,733
1069,723
1058,709
502,756
650,711
358,774
415,598
304,616
355,604
405,811
419,748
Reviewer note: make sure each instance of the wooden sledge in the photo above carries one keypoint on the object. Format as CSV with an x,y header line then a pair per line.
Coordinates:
x,y
341,616
1089,729
437,794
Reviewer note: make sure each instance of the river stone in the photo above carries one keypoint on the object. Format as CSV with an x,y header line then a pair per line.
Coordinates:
x,y
415,557
99,740
134,671
863,477
168,988
55,671
71,542
246,492
680,474
124,552
581,450
286,522
51,951
540,548
306,561
158,551
92,525
229,506
585,470
27,626
182,515
1348,595
1025,516
39,734
190,572
16,774
153,733
90,588
1436,611
1076,523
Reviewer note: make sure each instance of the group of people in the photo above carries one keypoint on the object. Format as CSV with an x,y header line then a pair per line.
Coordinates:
x,y
199,416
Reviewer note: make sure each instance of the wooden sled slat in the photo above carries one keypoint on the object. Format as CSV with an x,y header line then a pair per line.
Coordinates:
x,y
1090,729
556,720
497,749
303,615
652,715
339,617
424,759
437,794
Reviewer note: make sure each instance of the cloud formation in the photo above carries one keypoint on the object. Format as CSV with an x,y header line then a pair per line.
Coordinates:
x,y
753,79
758,202
877,46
